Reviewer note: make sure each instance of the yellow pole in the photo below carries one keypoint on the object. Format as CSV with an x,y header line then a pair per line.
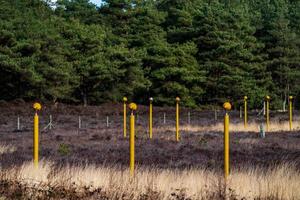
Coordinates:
x,y
268,112
245,112
36,140
37,107
226,145
177,119
124,116
150,118
227,107
291,112
133,107
132,144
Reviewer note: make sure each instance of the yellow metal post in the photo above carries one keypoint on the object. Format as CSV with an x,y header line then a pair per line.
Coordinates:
x,y
177,119
132,107
37,107
124,116
36,141
291,112
150,118
226,145
227,107
268,112
245,112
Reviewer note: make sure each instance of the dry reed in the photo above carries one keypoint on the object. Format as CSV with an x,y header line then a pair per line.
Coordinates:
x,y
280,182
234,127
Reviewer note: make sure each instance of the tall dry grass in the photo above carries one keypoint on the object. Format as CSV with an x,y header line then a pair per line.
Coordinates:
x,y
234,127
280,182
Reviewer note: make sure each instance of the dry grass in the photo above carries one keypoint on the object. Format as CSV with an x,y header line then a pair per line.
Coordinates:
x,y
7,149
234,127
281,182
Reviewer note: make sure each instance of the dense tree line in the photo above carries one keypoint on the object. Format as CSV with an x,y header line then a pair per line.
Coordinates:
x,y
205,51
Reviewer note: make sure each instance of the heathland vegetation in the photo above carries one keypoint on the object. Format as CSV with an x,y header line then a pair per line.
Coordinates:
x,y
92,162
204,51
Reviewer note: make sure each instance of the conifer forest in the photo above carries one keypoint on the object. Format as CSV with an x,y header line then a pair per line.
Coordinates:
x,y
204,51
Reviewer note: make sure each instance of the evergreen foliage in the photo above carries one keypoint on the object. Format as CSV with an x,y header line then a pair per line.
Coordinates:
x,y
205,51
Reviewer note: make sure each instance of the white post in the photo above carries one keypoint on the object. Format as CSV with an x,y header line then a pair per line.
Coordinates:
x,y
18,123
241,113
189,118
50,123
107,121
264,108
79,122
216,115
164,118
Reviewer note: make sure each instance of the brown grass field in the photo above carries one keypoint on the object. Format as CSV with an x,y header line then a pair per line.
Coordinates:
x,y
92,162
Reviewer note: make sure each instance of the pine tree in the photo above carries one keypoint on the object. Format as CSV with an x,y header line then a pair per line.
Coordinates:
x,y
172,69
174,72
230,53
179,19
281,47
82,10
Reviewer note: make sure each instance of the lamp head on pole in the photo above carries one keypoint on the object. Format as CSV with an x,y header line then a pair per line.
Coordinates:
x,y
132,106
227,106
37,106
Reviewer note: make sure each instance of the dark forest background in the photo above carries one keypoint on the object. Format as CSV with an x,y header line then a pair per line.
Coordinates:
x,y
205,51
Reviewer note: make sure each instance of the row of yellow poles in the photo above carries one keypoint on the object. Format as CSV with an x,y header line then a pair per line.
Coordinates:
x,y
133,107
177,135
267,110
226,106
267,103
